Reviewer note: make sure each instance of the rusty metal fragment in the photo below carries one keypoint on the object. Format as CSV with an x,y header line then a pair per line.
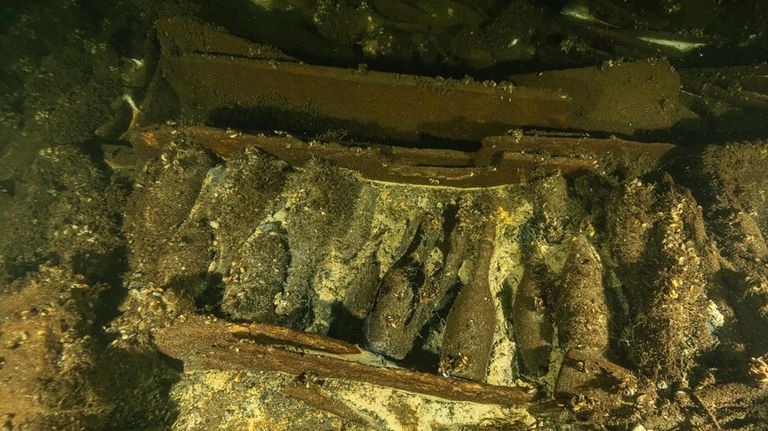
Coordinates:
x,y
210,344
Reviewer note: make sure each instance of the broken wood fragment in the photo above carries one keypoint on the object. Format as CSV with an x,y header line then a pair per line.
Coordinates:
x,y
572,147
501,160
272,334
208,344
190,36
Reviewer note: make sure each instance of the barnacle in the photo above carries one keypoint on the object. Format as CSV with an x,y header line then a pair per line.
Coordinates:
x,y
758,369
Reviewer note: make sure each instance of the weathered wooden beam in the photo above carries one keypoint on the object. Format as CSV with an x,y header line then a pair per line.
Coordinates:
x,y
204,344
220,78
272,334
363,104
225,80
618,97
573,147
501,160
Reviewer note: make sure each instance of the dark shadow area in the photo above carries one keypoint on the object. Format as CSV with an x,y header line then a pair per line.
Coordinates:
x,y
287,31
741,423
738,125
420,358
8,187
209,300
203,288
138,384
306,125
346,326
107,270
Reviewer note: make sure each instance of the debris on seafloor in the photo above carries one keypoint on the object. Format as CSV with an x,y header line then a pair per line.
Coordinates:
x,y
216,86
731,99
418,246
418,256
422,247
307,246
340,383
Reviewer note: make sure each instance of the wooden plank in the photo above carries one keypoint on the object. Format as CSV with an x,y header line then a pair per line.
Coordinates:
x,y
204,344
271,334
220,78
363,104
430,167
561,146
